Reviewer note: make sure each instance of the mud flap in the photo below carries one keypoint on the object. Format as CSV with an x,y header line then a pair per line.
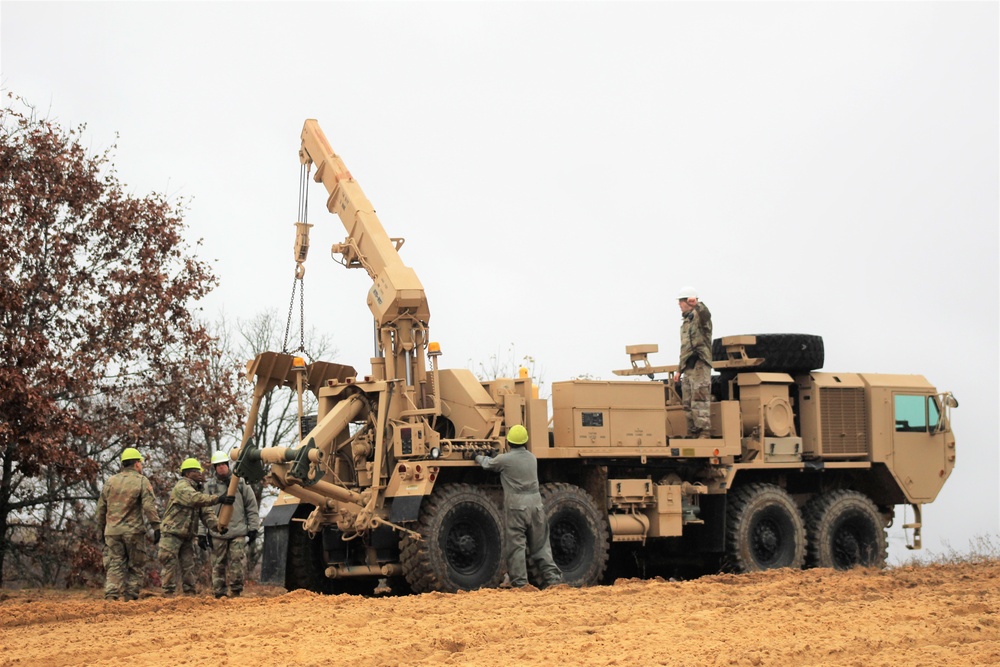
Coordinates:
x,y
275,554
710,537
405,508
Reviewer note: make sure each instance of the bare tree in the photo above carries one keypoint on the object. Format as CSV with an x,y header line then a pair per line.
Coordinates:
x,y
507,364
100,346
277,422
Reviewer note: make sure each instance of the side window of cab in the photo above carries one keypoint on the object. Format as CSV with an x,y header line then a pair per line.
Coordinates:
x,y
916,413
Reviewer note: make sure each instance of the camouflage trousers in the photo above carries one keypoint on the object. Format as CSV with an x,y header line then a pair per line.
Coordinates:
x,y
124,565
228,556
527,534
696,394
177,563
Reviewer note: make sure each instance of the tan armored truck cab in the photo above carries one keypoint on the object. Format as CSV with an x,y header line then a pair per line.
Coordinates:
x,y
804,468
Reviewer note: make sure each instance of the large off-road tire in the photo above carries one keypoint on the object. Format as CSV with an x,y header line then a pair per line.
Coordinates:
x,y
782,353
462,547
764,530
845,530
578,534
304,567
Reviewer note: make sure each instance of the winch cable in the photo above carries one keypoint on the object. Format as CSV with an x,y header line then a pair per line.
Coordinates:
x,y
298,283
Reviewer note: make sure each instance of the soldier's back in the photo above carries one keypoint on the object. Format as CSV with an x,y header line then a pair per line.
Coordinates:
x,y
123,494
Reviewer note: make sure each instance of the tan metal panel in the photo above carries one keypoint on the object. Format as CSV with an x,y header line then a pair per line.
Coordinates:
x,y
594,393
591,428
638,428
666,519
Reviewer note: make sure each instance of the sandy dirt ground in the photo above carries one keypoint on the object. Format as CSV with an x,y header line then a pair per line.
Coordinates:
x,y
913,616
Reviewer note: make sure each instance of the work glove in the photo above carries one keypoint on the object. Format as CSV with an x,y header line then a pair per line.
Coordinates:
x,y
223,531
252,536
221,498
156,535
228,500
203,542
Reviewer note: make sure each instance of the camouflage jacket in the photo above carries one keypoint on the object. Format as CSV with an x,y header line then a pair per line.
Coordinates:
x,y
126,498
185,507
245,517
696,336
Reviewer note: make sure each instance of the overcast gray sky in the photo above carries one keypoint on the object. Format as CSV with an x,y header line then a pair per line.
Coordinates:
x,y
558,170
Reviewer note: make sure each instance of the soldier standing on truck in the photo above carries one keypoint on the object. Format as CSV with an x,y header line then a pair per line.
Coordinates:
x,y
127,498
180,527
229,551
695,365
525,524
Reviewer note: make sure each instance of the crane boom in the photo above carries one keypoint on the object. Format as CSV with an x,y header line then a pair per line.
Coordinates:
x,y
396,297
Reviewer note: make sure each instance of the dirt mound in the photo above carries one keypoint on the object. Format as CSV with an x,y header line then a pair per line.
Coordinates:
x,y
918,615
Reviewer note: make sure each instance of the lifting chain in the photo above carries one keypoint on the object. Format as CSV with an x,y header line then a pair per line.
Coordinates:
x,y
298,283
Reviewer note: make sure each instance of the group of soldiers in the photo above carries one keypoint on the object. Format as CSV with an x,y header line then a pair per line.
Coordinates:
x,y
127,504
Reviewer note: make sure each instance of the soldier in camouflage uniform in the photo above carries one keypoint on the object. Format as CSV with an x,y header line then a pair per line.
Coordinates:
x,y
695,366
527,530
126,499
180,527
229,551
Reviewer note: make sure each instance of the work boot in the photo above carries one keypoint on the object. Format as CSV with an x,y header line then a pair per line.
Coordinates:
x,y
111,598
234,593
506,582
220,595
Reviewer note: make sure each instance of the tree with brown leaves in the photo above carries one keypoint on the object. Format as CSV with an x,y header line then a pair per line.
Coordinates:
x,y
100,346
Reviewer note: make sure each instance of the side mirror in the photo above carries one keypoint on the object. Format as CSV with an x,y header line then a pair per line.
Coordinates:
x,y
950,401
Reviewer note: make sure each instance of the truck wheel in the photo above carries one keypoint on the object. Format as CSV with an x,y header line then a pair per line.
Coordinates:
x,y
578,534
462,545
305,567
845,530
782,353
764,530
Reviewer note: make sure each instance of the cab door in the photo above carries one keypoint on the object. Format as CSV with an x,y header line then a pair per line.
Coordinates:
x,y
919,449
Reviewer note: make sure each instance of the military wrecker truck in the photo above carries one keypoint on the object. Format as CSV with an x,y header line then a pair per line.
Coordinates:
x,y
804,468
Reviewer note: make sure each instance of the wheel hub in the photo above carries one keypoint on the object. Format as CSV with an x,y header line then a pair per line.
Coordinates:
x,y
766,540
565,543
847,548
464,547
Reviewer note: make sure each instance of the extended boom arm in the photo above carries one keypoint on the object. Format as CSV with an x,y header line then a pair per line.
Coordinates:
x,y
396,298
